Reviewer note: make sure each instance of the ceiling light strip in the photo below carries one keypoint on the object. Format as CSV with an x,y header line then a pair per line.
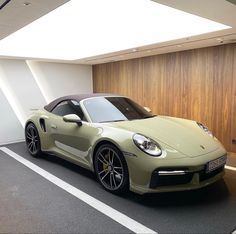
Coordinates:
x,y
49,37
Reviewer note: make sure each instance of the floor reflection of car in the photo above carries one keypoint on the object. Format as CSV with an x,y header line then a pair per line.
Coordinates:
x,y
125,145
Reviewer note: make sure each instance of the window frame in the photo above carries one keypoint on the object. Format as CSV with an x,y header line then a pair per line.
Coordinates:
x,y
83,107
85,119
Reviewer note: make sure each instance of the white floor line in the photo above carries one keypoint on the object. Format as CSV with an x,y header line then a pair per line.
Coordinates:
x,y
91,201
11,142
232,169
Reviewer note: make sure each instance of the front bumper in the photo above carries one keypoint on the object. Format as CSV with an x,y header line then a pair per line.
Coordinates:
x,y
195,183
189,173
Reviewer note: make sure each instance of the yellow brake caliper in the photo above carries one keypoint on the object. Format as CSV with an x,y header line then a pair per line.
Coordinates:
x,y
105,165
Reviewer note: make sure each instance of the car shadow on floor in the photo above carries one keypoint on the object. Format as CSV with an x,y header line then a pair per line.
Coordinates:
x,y
71,166
214,193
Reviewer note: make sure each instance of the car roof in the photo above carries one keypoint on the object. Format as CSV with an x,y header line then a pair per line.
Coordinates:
x,y
77,97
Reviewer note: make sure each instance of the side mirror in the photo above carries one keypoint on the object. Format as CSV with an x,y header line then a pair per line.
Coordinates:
x,y
147,109
72,118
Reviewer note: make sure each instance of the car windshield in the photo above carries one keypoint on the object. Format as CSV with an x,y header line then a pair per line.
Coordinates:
x,y
114,109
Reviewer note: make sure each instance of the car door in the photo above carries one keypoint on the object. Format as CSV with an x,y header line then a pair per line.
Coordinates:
x,y
71,141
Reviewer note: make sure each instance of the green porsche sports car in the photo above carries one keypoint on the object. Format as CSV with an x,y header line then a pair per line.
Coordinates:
x,y
125,145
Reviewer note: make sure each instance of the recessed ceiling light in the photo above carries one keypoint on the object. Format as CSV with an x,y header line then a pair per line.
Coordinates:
x,y
76,30
26,3
220,40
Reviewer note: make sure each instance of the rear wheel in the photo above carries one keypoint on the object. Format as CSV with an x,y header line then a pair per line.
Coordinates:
x,y
32,140
111,169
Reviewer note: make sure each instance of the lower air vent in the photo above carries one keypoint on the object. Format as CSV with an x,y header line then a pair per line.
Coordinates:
x,y
42,124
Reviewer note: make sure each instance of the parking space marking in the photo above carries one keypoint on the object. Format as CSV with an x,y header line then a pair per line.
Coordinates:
x,y
117,216
230,168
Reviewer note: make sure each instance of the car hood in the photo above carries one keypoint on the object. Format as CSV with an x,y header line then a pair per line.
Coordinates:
x,y
185,136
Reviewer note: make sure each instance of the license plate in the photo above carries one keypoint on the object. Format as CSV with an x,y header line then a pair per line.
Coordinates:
x,y
214,164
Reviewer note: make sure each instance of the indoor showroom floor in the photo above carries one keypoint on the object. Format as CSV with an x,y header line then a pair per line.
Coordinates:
x,y
31,203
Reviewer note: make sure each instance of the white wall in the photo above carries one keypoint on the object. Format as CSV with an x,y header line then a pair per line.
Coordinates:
x,y
10,127
56,80
26,85
20,88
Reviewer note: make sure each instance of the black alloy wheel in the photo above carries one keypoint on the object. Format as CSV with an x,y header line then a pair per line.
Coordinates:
x,y
32,140
111,169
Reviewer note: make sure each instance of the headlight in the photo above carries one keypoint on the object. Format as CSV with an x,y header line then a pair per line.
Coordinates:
x,y
147,145
205,129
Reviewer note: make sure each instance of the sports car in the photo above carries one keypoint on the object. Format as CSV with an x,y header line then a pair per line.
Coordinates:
x,y
125,145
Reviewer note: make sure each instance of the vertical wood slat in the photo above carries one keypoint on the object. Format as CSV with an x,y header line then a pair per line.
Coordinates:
x,y
197,84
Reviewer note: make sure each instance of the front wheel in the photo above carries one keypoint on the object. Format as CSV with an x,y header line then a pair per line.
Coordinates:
x,y
111,169
32,140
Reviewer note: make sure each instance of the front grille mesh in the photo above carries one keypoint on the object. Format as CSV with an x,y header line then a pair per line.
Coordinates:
x,y
205,176
172,180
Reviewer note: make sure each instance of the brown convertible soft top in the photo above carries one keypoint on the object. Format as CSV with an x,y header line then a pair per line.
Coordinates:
x,y
78,98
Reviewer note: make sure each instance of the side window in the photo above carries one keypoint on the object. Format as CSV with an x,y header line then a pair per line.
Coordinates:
x,y
69,107
64,108
78,109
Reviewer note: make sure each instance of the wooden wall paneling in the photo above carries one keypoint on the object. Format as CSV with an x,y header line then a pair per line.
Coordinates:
x,y
223,80
197,84
171,85
157,85
149,84
233,106
206,91
136,78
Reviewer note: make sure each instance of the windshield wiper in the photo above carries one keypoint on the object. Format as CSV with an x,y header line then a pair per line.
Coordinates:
x,y
110,121
151,116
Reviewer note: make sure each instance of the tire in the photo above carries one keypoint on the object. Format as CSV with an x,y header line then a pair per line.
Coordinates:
x,y
32,140
111,169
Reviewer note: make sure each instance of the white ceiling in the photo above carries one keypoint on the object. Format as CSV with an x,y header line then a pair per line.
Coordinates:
x,y
18,13
220,11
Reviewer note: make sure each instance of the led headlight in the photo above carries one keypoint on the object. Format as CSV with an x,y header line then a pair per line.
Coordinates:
x,y
147,145
205,129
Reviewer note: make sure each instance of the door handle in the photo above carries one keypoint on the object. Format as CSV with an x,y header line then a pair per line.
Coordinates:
x,y
53,126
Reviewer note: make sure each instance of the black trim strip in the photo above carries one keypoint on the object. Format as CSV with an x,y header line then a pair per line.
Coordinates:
x,y
4,4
